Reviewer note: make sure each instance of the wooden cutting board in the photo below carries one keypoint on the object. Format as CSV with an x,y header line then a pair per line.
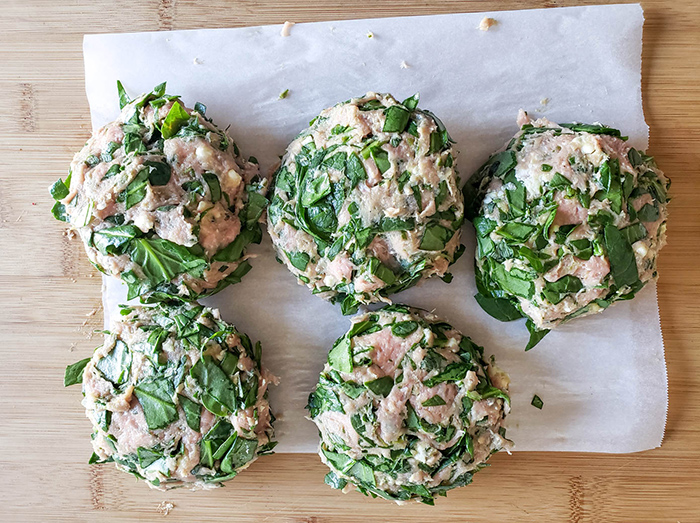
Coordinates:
x,y
50,297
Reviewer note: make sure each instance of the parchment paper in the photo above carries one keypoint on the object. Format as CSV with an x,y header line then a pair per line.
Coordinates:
x,y
602,379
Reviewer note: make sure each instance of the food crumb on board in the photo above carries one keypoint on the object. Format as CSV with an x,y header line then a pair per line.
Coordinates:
x,y
370,34
287,28
537,402
486,23
165,507
19,218
284,94
72,346
197,61
404,65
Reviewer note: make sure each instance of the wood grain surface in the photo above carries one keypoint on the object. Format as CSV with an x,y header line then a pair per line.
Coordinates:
x,y
50,296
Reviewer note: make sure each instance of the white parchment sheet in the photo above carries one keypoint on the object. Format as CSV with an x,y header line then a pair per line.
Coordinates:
x,y
602,379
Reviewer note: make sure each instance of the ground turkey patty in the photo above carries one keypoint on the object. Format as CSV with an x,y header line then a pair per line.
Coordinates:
x,y
568,220
162,198
177,397
366,202
406,407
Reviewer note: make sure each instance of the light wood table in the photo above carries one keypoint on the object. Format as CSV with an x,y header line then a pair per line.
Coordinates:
x,y
50,296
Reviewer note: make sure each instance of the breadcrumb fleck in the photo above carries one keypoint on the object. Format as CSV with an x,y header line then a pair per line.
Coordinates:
x,y
165,507
404,65
287,28
197,61
486,23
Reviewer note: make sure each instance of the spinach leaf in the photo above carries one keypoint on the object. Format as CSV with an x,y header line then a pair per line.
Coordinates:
x,y
155,397
559,182
136,190
403,178
59,189
214,185
314,189
234,250
516,196
340,356
535,335
323,399
298,259
412,102
396,224
403,329
499,308
216,442
177,117
537,402
114,240
192,411
362,472
435,401
381,159
648,213
381,386
321,220
453,372
241,453
623,264
611,180
435,238
511,283
158,172
517,231
381,271
113,171
123,97
441,194
396,119
556,291
363,327
116,365
74,373
634,233
592,129
161,260
417,196
354,170
284,180
334,481
133,144
214,382
371,105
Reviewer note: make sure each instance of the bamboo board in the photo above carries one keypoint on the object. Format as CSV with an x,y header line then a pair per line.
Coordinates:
x,y
51,297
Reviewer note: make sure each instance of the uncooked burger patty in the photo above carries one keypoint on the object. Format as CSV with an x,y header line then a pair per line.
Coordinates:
x,y
177,397
406,406
162,199
569,219
366,202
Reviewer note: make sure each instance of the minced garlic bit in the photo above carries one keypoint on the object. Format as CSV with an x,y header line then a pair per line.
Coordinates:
x,y
197,61
287,28
486,23
404,65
